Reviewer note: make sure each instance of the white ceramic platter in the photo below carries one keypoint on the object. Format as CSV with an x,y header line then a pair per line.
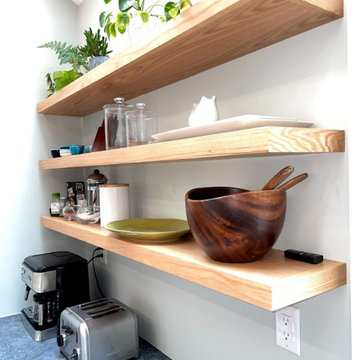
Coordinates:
x,y
235,123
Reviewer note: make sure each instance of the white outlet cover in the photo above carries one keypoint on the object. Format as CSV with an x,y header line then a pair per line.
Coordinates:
x,y
288,329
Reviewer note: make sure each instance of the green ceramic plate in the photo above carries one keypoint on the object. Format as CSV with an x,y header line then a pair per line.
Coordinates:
x,y
147,230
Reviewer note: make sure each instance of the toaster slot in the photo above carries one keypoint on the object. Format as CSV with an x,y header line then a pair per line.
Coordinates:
x,y
95,304
107,312
100,308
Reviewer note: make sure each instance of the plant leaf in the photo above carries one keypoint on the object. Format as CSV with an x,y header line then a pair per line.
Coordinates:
x,y
112,29
174,12
125,5
106,1
169,6
122,19
63,78
102,19
121,29
145,17
185,4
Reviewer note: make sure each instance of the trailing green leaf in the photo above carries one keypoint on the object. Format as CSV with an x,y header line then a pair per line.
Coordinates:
x,y
125,5
102,18
145,17
123,18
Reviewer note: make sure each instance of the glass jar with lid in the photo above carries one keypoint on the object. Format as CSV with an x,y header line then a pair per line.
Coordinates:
x,y
141,124
115,124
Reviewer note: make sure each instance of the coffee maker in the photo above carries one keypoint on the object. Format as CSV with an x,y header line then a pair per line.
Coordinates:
x,y
58,280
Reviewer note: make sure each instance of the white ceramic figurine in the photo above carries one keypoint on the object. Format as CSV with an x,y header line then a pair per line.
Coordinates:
x,y
204,113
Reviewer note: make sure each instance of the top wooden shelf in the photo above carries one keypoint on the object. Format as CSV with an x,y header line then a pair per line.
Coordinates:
x,y
210,33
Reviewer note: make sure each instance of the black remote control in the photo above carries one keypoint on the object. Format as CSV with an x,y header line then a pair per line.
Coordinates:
x,y
303,256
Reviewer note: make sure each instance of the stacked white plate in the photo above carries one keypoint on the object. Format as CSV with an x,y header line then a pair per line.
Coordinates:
x,y
235,123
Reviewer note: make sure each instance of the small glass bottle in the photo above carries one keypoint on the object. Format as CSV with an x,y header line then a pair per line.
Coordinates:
x,y
62,203
55,204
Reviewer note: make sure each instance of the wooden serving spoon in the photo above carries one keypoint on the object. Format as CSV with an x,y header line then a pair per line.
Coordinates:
x,y
278,178
293,182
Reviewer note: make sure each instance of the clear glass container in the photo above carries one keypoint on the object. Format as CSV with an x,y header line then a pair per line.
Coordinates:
x,y
141,124
115,124
94,180
88,214
70,211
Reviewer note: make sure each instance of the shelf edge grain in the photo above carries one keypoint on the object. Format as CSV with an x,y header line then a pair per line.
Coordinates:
x,y
250,142
270,283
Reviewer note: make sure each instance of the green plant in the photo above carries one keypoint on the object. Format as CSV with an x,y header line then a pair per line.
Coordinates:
x,y
173,9
68,54
96,45
76,56
60,79
122,19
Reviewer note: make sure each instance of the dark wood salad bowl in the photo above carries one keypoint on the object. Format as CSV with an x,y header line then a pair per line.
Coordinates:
x,y
235,225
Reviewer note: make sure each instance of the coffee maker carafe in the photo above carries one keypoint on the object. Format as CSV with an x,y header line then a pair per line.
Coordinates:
x,y
58,280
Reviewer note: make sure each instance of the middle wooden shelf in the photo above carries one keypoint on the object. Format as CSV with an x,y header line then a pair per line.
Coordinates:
x,y
269,140
270,283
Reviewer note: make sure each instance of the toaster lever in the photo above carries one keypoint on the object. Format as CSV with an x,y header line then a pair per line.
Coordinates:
x,y
75,354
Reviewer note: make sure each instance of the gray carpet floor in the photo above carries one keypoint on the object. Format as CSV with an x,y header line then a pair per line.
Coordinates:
x,y
17,344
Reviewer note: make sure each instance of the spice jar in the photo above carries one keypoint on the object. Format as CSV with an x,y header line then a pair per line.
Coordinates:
x,y
55,204
115,124
141,124
93,181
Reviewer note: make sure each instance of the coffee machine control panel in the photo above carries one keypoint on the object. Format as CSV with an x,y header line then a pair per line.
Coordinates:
x,y
38,281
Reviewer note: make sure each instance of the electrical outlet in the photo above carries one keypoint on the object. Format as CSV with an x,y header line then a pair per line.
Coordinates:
x,y
103,259
288,329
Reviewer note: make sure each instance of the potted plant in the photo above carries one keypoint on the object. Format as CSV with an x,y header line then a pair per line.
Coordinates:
x,y
131,8
79,57
67,54
96,48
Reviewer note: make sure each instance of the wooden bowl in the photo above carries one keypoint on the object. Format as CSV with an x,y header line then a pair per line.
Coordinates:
x,y
235,225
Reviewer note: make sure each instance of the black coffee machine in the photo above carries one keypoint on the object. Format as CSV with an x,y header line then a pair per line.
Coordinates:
x,y
58,279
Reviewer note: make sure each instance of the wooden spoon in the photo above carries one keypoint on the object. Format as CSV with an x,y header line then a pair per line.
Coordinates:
x,y
278,178
293,182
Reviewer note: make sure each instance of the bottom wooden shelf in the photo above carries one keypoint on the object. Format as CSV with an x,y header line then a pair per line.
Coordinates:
x,y
271,283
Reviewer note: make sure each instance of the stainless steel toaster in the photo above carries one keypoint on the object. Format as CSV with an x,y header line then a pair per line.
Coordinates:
x,y
104,329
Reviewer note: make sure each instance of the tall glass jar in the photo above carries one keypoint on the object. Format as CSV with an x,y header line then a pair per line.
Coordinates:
x,y
94,180
141,124
115,124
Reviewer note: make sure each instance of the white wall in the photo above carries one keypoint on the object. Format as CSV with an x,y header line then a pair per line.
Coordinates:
x,y
304,77
27,137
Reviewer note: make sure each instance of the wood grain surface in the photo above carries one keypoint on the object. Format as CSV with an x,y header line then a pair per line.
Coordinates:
x,y
210,33
257,141
270,283
235,225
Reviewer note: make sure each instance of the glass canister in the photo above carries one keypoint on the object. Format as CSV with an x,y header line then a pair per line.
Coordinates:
x,y
115,124
94,180
141,124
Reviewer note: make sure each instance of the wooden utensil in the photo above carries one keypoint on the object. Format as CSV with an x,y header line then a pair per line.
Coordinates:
x,y
293,182
278,178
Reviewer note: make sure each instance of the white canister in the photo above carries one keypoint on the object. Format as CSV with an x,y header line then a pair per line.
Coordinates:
x,y
114,202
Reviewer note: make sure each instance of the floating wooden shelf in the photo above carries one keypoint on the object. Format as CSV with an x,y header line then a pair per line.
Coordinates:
x,y
258,141
271,283
210,33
